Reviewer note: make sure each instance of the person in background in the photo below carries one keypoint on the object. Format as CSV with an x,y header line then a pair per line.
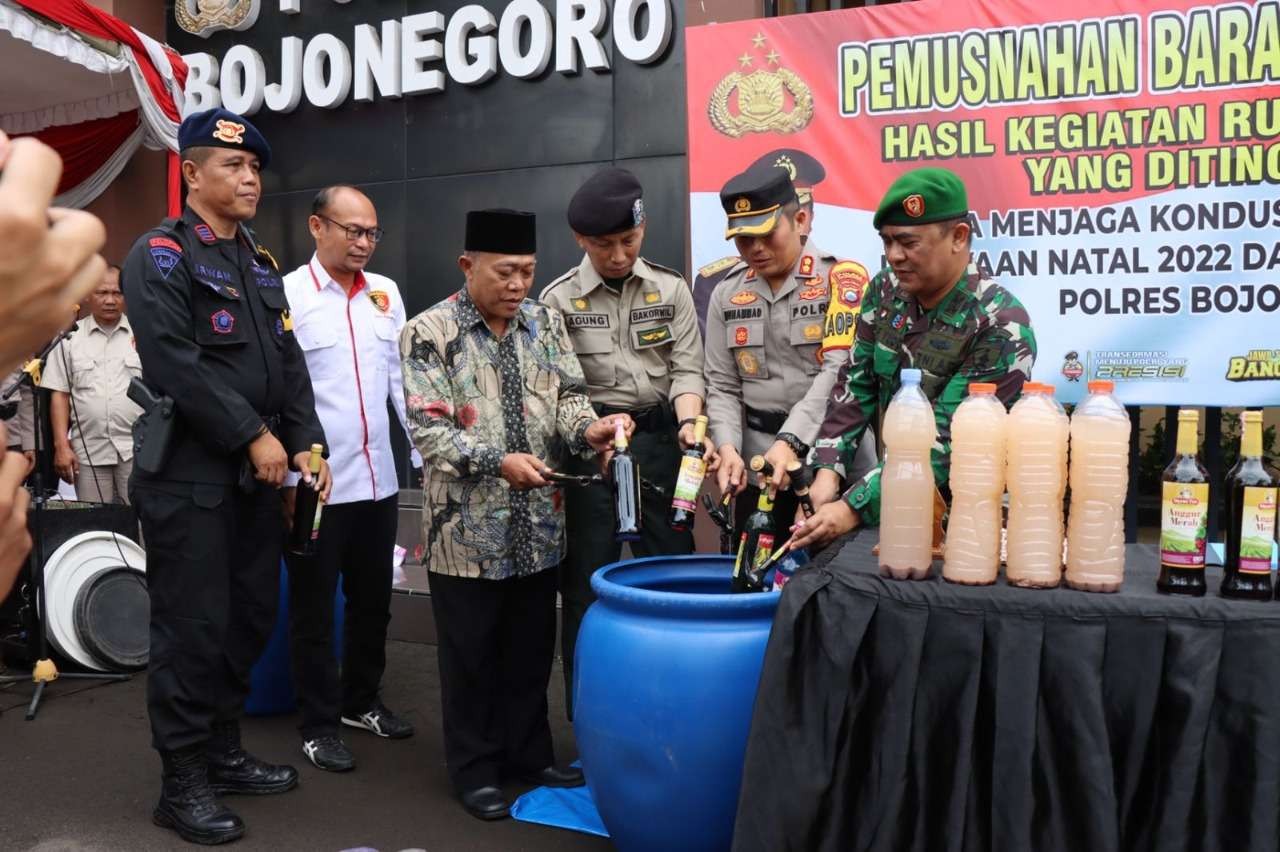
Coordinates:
x,y
495,399
348,323
215,335
930,309
632,326
90,413
21,425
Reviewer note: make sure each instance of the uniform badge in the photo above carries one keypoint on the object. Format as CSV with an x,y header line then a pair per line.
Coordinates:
x,y
813,332
380,300
165,259
742,205
898,321
286,319
717,266
743,297
913,205
581,304
652,298
812,294
262,251
232,292
206,234
748,364
637,213
806,265
740,336
231,132
751,275
223,322
848,279
164,242
652,336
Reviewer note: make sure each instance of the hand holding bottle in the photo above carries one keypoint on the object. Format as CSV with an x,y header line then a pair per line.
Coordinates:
x,y
779,456
325,478
523,471
732,475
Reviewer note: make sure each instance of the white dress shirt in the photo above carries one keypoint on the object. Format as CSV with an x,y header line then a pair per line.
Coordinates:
x,y
352,346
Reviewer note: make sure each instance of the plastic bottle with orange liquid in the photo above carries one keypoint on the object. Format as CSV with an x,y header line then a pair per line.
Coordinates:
x,y
1099,480
906,483
972,554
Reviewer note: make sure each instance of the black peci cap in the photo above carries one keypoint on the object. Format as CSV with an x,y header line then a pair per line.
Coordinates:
x,y
608,203
754,200
501,232
222,128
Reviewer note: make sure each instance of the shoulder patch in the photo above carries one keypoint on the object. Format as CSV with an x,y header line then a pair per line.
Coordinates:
x,y
164,242
848,280
717,266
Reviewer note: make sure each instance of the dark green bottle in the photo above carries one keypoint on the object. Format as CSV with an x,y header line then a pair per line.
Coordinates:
x,y
755,547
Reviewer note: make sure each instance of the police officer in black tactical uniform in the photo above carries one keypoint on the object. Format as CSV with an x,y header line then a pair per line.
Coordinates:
x,y
214,334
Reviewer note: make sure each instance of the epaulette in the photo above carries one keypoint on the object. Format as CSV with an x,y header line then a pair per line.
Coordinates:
x,y
718,266
679,275
563,278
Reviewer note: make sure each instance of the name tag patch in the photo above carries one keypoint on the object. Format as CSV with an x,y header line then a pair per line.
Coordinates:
x,y
735,314
653,336
812,309
587,321
214,273
659,313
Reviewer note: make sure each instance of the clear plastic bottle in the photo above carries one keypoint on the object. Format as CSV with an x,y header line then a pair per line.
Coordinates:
x,y
972,554
1035,474
1099,481
906,483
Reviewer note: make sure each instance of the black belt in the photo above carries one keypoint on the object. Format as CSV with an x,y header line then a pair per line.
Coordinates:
x,y
655,418
769,422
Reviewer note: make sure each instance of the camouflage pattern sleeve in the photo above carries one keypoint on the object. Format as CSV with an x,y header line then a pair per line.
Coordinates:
x,y
574,412
1002,353
428,404
852,405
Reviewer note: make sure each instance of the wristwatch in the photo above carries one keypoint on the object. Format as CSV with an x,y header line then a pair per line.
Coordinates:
x,y
685,422
800,448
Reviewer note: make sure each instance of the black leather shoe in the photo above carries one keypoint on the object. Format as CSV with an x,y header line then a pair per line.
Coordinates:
x,y
329,753
234,770
379,720
553,776
187,804
486,803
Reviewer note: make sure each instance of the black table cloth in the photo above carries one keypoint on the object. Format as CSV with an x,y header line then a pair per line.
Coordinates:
x,y
896,715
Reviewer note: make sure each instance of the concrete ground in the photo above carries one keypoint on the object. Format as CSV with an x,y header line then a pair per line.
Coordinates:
x,y
83,777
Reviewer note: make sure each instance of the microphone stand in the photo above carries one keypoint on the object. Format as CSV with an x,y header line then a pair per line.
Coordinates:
x,y
44,671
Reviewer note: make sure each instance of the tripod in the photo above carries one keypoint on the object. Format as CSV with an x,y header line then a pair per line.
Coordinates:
x,y
44,671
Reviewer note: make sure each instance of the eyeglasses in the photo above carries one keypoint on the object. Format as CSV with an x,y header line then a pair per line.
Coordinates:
x,y
353,233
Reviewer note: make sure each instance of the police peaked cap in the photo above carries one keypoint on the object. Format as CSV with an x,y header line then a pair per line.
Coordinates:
x,y
921,196
804,169
610,202
501,232
222,128
753,201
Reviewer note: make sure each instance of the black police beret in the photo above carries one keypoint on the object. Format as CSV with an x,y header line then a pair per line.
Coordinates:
x,y
501,232
221,128
754,200
805,170
608,203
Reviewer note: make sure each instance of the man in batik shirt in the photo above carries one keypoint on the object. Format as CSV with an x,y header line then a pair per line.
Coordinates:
x,y
495,400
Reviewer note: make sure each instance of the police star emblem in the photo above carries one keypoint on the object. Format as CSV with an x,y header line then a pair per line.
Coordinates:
x,y
913,205
761,101
231,132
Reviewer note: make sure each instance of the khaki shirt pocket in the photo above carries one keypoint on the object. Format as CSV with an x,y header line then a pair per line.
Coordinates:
x,y
746,341
595,352
806,337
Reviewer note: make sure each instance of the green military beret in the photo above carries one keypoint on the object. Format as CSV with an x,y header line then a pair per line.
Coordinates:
x,y
922,196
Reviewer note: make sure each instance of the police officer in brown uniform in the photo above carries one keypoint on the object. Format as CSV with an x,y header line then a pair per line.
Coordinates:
x,y
779,327
633,328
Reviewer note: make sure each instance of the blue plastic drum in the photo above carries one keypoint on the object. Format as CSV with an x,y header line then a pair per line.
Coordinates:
x,y
668,663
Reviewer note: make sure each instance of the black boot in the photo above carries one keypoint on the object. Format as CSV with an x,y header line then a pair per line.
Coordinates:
x,y
234,770
187,804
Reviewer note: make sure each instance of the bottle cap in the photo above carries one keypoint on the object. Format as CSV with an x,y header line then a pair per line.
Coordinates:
x,y
1188,415
1047,387
1251,416
911,376
1032,387
1102,386
981,388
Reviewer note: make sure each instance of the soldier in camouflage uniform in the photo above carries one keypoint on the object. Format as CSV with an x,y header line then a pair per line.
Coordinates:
x,y
930,309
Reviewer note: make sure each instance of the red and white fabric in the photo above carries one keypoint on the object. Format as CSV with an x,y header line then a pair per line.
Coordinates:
x,y
82,66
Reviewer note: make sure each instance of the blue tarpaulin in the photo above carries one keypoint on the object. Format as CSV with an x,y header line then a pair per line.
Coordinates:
x,y
571,808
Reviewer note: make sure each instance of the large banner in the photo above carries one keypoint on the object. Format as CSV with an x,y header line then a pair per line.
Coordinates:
x,y
1122,168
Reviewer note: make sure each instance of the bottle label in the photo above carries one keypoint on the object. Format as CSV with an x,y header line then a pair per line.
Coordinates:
x,y
1257,529
315,525
689,483
1184,523
764,548
742,549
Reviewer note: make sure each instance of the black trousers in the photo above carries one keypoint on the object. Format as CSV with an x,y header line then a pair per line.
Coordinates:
x,y
213,573
784,514
589,524
496,640
356,541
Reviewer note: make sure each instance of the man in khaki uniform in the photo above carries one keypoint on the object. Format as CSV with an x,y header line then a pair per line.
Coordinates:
x,y
90,414
779,327
633,328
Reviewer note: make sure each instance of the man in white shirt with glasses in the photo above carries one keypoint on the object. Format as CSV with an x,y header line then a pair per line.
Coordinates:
x,y
348,323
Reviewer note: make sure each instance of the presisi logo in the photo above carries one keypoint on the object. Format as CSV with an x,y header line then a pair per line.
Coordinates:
x,y
1257,366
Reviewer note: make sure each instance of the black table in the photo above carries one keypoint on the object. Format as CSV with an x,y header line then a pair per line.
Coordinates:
x,y
900,715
